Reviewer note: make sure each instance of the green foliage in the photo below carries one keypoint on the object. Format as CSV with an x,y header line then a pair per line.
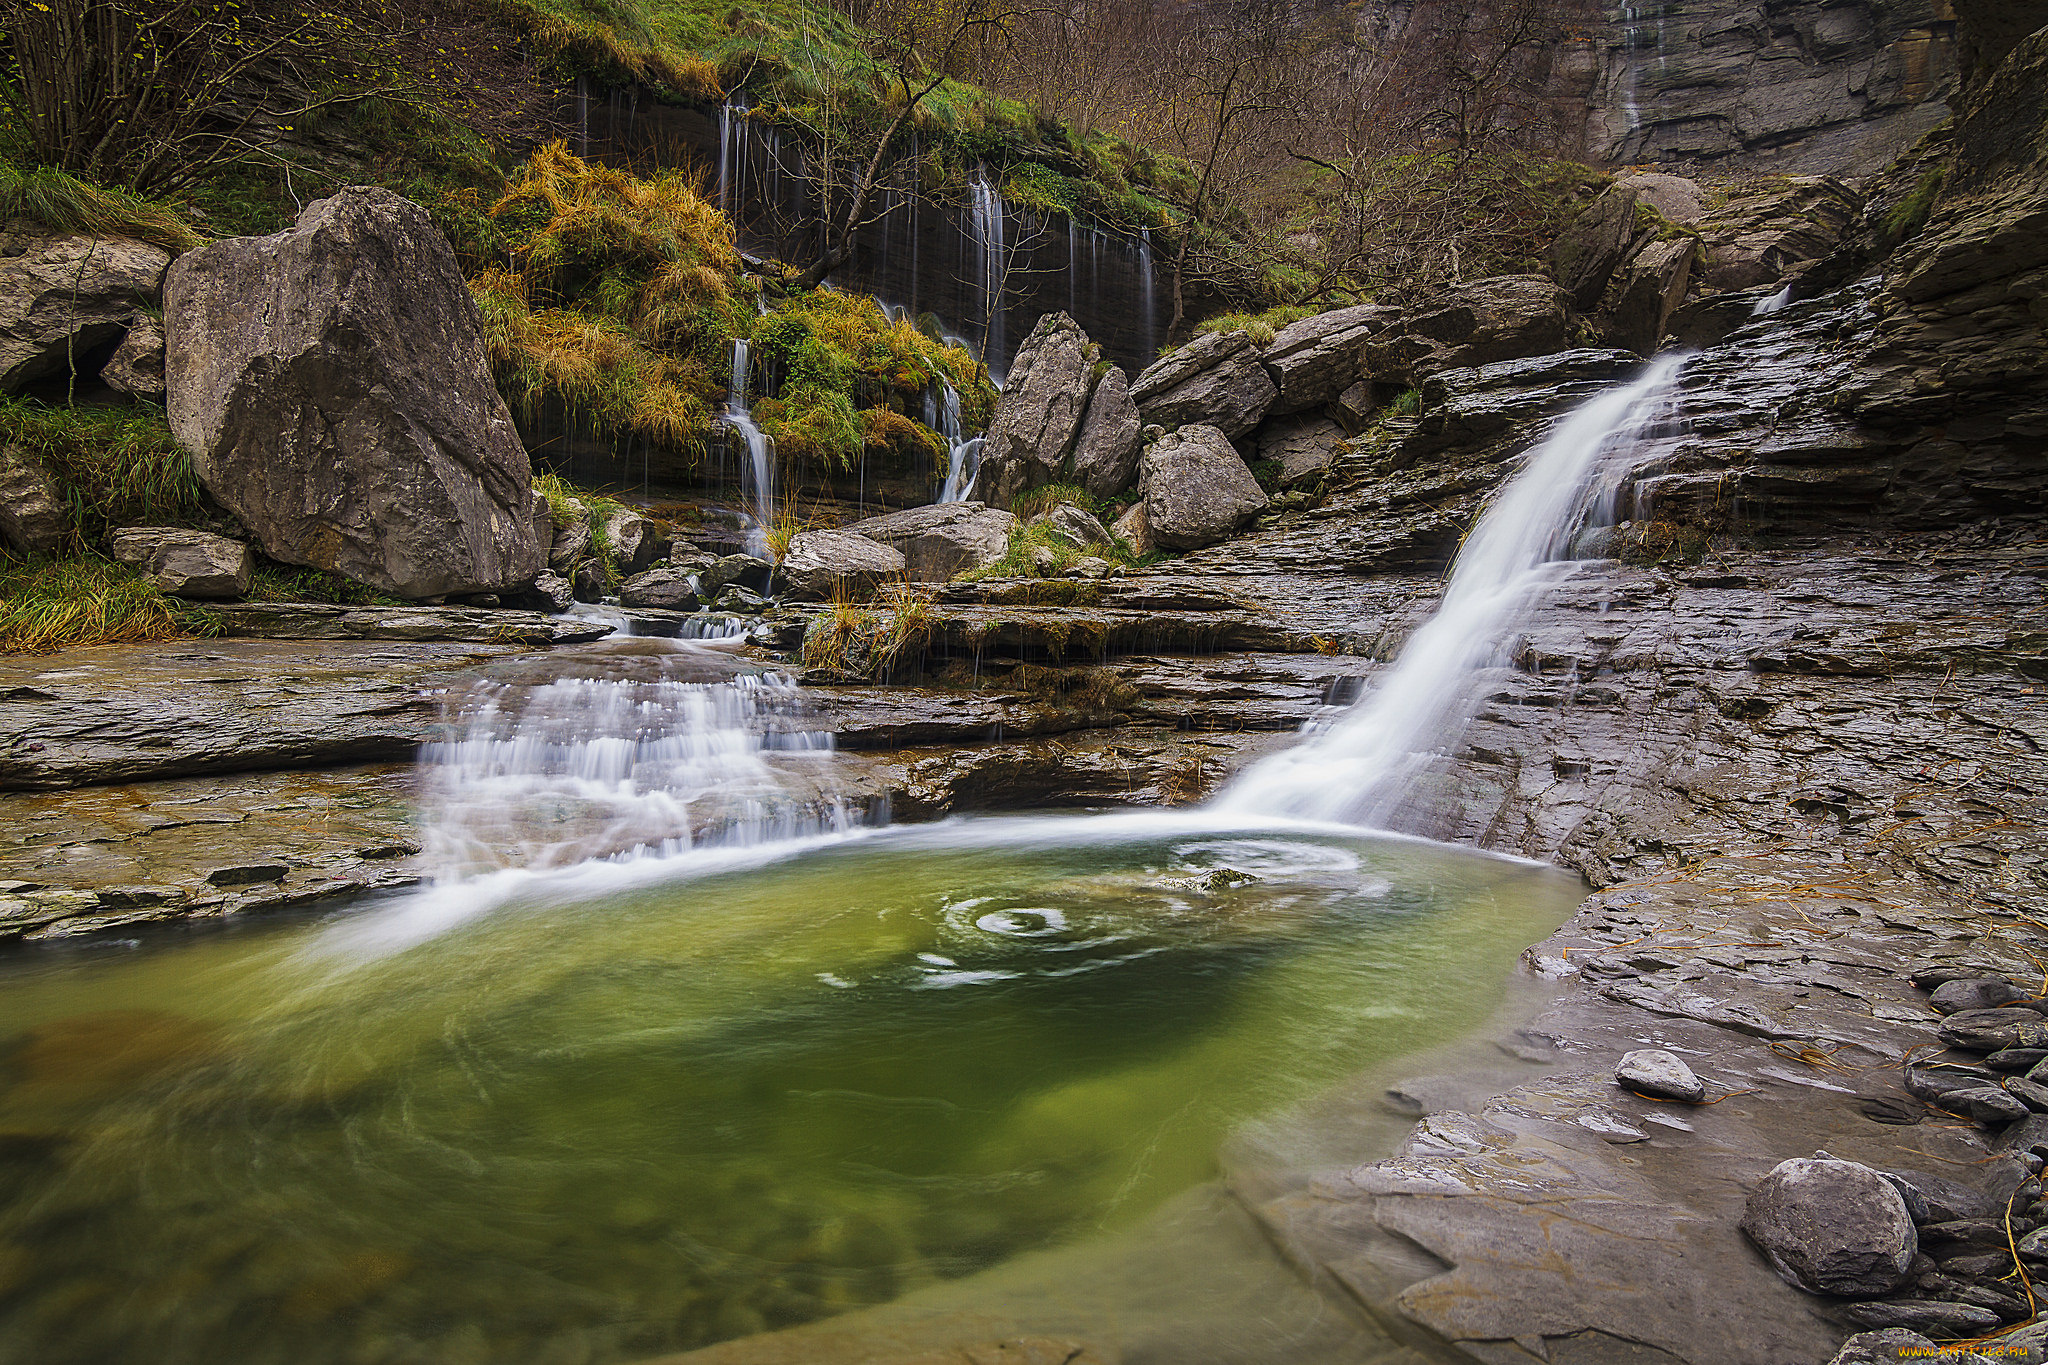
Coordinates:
x,y
114,465
1260,327
56,604
1037,502
885,642
290,583
1406,403
64,203
1911,213
1020,559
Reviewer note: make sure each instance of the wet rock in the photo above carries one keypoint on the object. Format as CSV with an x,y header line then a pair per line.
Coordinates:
x,y
1986,1104
823,565
136,367
1317,358
1106,450
1994,1029
1645,293
1924,1315
1761,233
571,546
2015,1061
1584,256
66,302
1303,445
942,540
1653,1071
244,874
33,519
1075,526
186,563
636,542
1884,1347
327,621
749,571
664,589
1197,490
1832,1227
2032,1094
740,601
1978,993
413,479
1215,380
549,592
1038,415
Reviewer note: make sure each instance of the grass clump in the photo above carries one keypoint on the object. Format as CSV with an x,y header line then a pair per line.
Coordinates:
x,y
884,642
291,583
47,605
1260,327
114,465
1036,550
64,203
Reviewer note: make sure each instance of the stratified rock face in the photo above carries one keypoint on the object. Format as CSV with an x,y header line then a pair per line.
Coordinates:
x,y
1765,231
1832,1227
186,563
331,385
824,564
65,302
1197,490
1317,358
943,539
1215,380
1106,451
32,515
1038,415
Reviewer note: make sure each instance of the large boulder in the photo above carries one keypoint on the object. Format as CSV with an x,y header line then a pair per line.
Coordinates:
x,y
1197,490
1501,317
1679,199
33,519
822,565
1584,256
1215,380
636,542
1832,1227
1317,358
66,302
666,589
1764,231
1302,445
1106,451
186,563
331,384
1646,292
1038,414
1074,525
943,539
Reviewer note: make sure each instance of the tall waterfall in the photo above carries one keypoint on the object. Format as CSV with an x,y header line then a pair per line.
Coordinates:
x,y
991,270
1359,768
758,474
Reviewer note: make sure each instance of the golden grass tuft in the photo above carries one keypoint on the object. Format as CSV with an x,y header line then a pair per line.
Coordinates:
x,y
48,605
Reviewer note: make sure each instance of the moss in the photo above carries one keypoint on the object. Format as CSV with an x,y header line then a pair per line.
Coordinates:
x,y
1911,213
1651,219
113,465
56,604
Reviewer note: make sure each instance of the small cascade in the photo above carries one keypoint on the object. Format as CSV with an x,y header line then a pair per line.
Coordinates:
x,y
758,473
965,463
1360,768
578,768
1772,303
988,231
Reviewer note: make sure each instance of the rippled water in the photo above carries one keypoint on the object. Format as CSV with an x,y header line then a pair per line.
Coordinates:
x,y
634,1107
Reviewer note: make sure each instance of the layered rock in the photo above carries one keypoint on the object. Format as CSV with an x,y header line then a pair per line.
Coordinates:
x,y
1584,256
67,302
330,382
1038,415
1317,358
1215,380
944,539
186,563
1302,445
1772,227
1197,490
1502,317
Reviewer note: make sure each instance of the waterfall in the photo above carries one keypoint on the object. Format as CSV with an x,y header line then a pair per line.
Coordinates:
x,y
759,471
1359,769
988,230
1772,303
965,462
1145,291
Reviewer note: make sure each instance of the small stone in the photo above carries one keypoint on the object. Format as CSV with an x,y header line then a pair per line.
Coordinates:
x,y
1949,1319
1993,1030
1986,1105
1933,1081
1979,993
1655,1072
1832,1227
2030,1093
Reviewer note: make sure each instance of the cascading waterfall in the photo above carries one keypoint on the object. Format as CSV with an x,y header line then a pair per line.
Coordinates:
x,y
1359,769
759,471
991,266
964,465
1146,287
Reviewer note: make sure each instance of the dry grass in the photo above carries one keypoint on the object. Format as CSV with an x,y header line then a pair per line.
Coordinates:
x,y
48,605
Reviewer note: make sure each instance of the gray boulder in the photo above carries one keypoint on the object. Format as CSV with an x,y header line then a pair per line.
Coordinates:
x,y
1304,444
1131,528
1646,292
1584,256
821,565
571,543
749,571
136,367
1679,199
1038,414
1832,1227
186,563
550,592
1314,360
636,542
1106,451
1197,490
33,519
331,384
1655,1072
1501,317
668,589
587,581
943,539
1074,525
1987,1104
66,301
1215,380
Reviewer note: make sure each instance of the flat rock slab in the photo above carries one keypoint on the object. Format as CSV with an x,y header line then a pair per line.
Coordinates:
x,y
127,713
457,625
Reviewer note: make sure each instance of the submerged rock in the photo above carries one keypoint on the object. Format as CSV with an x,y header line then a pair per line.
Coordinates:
x,y
1832,1227
1197,490
822,565
186,563
1653,1071
943,539
1038,414
330,382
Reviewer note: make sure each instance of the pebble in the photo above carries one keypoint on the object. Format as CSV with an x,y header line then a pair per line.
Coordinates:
x,y
1653,1071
